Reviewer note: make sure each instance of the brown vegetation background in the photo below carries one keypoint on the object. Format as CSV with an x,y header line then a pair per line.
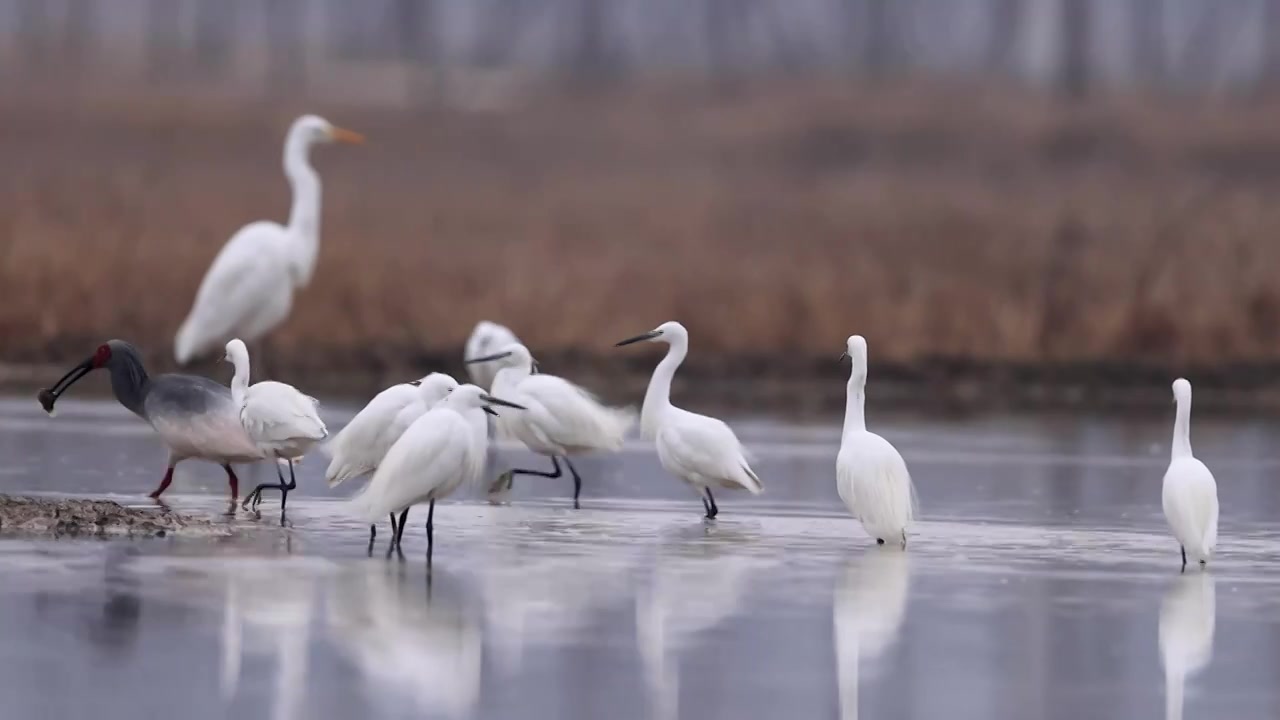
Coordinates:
x,y
951,226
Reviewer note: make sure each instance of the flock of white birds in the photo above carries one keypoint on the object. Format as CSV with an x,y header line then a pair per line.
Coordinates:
x,y
420,441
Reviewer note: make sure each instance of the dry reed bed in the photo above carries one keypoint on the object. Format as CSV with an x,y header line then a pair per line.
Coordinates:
x,y
942,223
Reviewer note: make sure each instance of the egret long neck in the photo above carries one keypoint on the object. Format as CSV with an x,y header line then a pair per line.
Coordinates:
x,y
855,418
658,397
304,217
240,382
1182,430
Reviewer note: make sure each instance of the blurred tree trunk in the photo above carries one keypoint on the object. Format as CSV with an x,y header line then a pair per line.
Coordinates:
x,y
497,32
1073,61
1003,32
79,33
163,26
1146,22
590,62
719,22
414,24
1200,56
286,60
879,38
215,29
1269,75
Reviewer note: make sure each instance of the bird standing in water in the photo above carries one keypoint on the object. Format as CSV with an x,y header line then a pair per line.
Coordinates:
x,y
194,416
1190,494
279,419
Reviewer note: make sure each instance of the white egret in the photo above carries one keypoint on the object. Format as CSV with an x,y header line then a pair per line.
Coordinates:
x,y
871,476
438,453
870,604
700,450
486,339
248,290
561,418
1187,618
360,446
280,420
1190,495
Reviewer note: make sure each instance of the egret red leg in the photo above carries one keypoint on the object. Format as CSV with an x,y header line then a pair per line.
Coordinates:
x,y
164,484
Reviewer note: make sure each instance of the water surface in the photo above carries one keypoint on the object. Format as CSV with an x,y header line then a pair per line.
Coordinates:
x,y
1042,583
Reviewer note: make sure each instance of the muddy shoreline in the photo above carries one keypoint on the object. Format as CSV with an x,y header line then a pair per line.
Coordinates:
x,y
61,516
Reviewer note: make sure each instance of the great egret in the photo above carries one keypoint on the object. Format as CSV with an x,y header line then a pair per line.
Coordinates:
x,y
438,453
248,290
486,339
700,450
1190,495
871,476
561,419
194,416
279,419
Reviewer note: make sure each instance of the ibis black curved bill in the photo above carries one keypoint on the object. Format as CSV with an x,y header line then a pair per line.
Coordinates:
x,y
639,338
487,358
498,401
49,396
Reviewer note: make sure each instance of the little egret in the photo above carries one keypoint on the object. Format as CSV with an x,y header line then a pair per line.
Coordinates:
x,y
561,419
871,477
248,290
438,453
487,339
279,419
700,450
1190,495
194,416
360,446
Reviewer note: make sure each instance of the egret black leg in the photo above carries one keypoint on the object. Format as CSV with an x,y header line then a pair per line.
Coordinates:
x,y
284,491
712,510
539,473
705,507
577,483
1184,558
404,515
431,513
255,497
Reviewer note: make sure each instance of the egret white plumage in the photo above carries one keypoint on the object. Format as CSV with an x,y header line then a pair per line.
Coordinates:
x,y
280,420
486,339
358,448
700,450
1190,494
437,454
248,290
561,419
1187,619
871,476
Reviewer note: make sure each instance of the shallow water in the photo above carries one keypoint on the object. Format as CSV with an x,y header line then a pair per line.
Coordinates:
x,y
1041,584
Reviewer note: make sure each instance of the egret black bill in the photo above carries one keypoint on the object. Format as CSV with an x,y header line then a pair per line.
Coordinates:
x,y
498,401
487,358
639,338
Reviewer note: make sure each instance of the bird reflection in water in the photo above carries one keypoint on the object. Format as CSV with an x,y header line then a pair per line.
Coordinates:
x,y
870,603
1186,635
410,635
277,602
694,587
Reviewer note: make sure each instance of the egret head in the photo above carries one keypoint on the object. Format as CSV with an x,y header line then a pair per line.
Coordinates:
x,y
514,355
469,397
1181,391
237,354
315,129
855,348
104,356
434,387
669,332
